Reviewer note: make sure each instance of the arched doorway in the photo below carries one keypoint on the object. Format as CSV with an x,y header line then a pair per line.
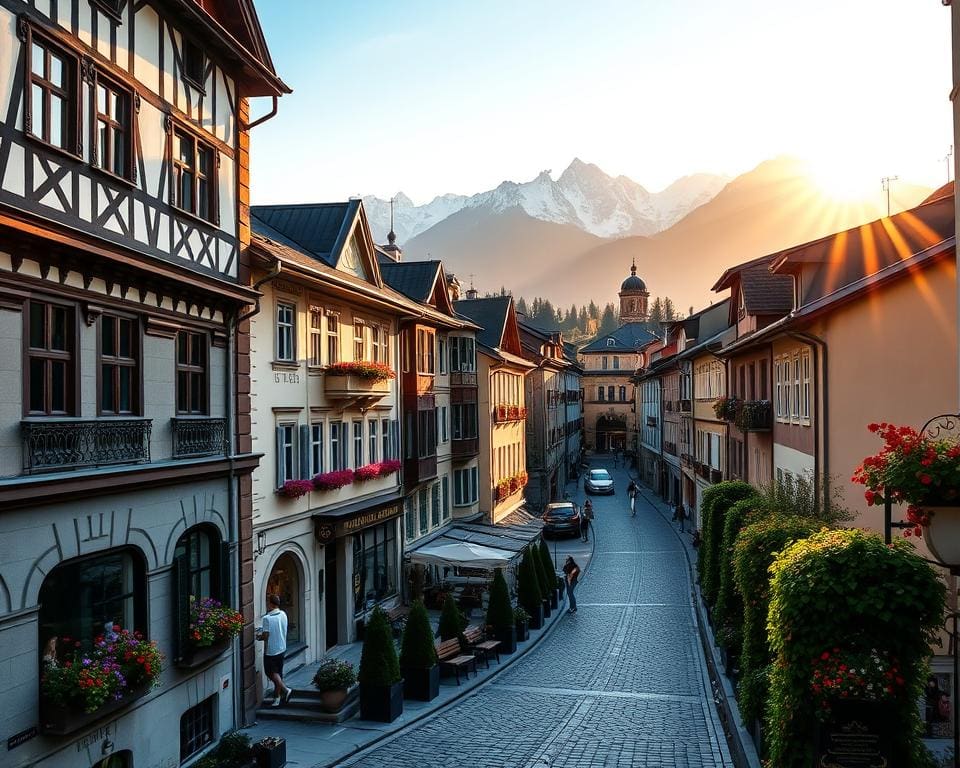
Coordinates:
x,y
611,433
285,580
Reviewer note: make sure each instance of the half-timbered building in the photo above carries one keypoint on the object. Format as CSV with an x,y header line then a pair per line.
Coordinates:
x,y
125,452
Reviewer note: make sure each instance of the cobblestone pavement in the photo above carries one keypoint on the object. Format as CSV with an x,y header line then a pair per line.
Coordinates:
x,y
621,683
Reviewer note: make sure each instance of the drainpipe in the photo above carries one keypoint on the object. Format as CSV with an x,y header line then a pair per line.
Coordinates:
x,y
820,468
955,103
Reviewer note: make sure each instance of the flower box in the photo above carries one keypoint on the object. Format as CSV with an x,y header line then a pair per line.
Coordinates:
x,y
63,719
294,489
346,386
366,371
196,656
332,481
270,752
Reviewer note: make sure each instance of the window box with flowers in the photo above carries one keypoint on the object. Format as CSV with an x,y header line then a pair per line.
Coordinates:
x,y
213,626
332,481
357,379
389,466
923,473
83,685
294,489
501,413
502,490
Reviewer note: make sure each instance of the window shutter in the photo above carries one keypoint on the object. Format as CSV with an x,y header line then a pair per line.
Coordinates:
x,y
181,605
226,581
304,453
395,439
279,458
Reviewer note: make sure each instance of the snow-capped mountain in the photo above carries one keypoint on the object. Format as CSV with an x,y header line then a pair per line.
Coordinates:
x,y
583,196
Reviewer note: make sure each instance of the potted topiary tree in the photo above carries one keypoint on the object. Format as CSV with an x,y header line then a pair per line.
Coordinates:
x,y
333,680
452,621
418,656
521,620
549,574
528,590
381,687
500,614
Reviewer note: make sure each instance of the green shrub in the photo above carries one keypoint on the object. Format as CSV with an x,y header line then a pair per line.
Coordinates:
x,y
754,551
528,589
417,650
545,578
499,610
452,621
717,499
728,612
799,495
233,751
846,591
378,659
550,569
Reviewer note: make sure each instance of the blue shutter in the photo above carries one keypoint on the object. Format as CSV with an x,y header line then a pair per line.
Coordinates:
x,y
304,454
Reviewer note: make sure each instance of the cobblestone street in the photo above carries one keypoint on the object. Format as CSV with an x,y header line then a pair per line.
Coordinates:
x,y
621,683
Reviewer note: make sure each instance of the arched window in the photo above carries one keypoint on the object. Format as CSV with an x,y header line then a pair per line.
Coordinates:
x,y
80,598
201,569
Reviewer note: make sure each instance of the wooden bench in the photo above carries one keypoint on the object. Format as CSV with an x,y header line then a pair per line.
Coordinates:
x,y
450,655
477,641
397,617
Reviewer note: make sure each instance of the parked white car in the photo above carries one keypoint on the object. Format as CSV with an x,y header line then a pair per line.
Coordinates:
x,y
598,481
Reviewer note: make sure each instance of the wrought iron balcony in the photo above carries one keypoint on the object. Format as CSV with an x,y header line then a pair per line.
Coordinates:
x,y
198,436
754,416
52,444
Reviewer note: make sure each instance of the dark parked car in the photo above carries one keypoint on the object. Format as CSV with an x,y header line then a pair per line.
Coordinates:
x,y
561,518
598,481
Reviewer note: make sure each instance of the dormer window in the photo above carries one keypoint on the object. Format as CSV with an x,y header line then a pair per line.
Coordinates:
x,y
194,64
611,342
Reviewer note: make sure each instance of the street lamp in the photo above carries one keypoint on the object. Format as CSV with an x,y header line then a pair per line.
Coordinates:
x,y
943,540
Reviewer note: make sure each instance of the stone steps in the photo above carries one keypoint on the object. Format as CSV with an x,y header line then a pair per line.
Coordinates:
x,y
304,706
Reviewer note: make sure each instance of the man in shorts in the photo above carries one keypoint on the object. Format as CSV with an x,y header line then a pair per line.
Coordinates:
x,y
273,635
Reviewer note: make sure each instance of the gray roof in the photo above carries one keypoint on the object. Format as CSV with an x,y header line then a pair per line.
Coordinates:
x,y
490,314
414,279
320,229
627,338
765,293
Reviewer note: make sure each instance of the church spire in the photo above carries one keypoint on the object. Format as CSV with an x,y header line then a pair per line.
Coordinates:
x,y
391,235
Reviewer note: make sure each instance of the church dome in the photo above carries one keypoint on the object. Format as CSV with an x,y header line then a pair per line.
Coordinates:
x,y
633,283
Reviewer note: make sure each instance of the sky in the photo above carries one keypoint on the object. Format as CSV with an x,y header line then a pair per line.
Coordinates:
x,y
436,96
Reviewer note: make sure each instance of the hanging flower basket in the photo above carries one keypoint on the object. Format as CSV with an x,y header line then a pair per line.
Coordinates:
x,y
331,481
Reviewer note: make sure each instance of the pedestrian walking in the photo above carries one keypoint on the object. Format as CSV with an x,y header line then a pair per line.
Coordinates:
x,y
571,572
632,490
680,515
586,517
273,635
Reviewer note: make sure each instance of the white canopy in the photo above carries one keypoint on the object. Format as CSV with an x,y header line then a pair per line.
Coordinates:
x,y
449,552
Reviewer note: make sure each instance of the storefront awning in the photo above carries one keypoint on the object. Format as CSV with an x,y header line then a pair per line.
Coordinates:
x,y
444,551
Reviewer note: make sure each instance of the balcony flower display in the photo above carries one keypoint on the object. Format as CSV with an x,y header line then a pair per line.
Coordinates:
x,y
367,472
362,370
513,412
870,676
331,481
503,489
725,407
914,469
294,489
523,477
211,622
389,466
89,679
501,413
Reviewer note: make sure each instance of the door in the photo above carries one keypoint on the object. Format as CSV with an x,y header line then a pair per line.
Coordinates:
x,y
331,593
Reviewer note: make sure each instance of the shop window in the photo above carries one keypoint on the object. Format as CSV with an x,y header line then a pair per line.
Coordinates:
x,y
82,598
374,565
196,728
284,580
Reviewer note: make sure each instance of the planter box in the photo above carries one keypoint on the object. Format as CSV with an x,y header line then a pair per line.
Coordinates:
x,y
196,657
536,618
267,756
383,703
523,631
508,639
346,387
60,720
421,684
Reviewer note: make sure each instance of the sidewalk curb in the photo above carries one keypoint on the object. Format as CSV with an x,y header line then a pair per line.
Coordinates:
x,y
738,738
350,757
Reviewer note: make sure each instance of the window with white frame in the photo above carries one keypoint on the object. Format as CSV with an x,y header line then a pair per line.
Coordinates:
x,y
333,338
359,343
385,438
372,433
435,504
286,452
600,393
336,453
375,343
316,336
442,415
424,508
286,331
384,345
445,492
410,518
805,364
442,353
316,448
604,361
465,486
616,362
357,444
796,386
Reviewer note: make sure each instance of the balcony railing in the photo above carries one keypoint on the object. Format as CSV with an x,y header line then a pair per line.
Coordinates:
x,y
464,447
52,444
198,436
754,416
463,379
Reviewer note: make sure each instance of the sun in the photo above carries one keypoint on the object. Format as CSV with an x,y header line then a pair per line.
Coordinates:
x,y
843,179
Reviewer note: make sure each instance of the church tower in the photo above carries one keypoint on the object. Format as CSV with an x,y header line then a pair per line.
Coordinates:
x,y
633,299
